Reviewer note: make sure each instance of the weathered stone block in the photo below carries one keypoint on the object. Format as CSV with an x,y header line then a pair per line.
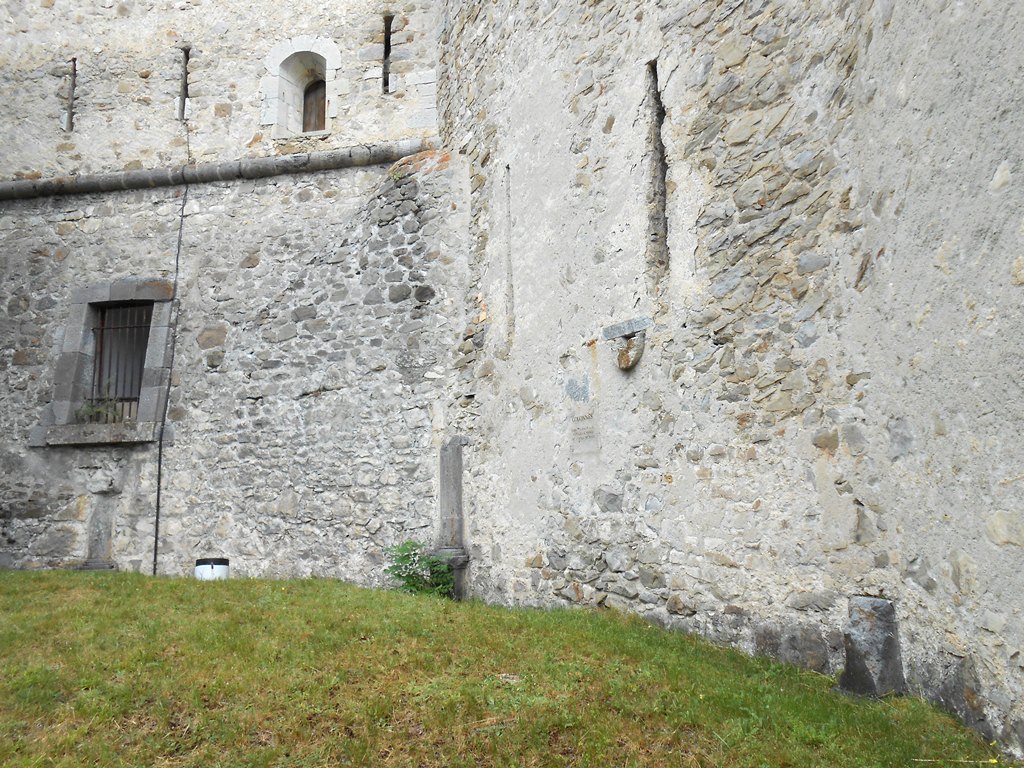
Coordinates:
x,y
618,559
874,665
398,293
210,337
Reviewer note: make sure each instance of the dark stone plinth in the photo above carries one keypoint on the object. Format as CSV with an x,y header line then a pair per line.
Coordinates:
x,y
874,666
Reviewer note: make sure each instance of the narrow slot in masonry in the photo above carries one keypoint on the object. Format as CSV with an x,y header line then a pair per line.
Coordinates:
x,y
183,89
657,260
386,77
69,112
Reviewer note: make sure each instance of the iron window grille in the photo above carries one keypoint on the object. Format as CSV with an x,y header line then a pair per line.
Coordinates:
x,y
120,334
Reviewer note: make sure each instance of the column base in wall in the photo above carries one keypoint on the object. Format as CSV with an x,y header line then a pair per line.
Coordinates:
x,y
458,560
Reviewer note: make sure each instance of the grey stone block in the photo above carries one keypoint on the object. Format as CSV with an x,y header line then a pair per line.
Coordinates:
x,y
63,412
151,403
961,693
450,497
398,293
37,436
626,328
122,290
91,294
161,314
78,331
802,645
65,374
154,377
156,348
102,434
874,666
153,289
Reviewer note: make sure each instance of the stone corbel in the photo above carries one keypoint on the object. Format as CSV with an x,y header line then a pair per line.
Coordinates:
x,y
628,340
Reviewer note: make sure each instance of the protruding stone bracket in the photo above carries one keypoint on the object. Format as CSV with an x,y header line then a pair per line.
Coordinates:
x,y
874,666
628,340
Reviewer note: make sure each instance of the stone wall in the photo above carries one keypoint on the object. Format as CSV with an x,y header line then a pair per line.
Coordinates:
x,y
312,325
128,61
721,293
826,402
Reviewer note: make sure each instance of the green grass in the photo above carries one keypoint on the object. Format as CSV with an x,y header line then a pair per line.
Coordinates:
x,y
123,670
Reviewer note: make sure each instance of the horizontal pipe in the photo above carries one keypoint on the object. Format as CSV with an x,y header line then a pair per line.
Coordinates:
x,y
231,170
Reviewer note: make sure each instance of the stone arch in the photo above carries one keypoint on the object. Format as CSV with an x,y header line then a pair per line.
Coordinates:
x,y
291,67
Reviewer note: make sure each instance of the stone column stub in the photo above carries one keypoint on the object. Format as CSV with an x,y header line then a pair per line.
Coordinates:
x,y
450,498
450,532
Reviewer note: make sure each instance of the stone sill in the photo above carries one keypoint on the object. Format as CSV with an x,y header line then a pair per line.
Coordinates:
x,y
298,136
100,434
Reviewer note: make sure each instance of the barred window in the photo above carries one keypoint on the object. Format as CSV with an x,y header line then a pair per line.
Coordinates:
x,y
113,372
120,335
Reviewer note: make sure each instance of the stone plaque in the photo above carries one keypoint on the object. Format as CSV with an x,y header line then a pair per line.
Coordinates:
x,y
583,428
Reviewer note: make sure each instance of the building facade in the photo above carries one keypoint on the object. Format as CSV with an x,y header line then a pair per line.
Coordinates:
x,y
720,301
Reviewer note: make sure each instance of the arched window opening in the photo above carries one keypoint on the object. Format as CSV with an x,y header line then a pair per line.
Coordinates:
x,y
302,94
314,107
300,87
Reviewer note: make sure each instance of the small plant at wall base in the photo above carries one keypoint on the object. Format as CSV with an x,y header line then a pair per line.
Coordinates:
x,y
418,571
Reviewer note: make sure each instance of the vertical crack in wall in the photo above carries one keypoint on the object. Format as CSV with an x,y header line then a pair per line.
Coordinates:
x,y
657,257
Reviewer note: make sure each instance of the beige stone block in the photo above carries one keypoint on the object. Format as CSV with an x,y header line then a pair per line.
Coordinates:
x,y
1006,528
733,52
743,128
1017,271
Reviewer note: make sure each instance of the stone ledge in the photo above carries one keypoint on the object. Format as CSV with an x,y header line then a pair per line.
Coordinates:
x,y
102,434
232,170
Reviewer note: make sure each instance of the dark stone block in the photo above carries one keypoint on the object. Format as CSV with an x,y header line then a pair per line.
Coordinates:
x,y
398,293
805,647
960,694
802,645
874,666
766,640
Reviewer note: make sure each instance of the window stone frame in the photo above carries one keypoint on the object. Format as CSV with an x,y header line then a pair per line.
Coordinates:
x,y
72,376
274,112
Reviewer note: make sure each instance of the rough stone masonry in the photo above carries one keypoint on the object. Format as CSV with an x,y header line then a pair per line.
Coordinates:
x,y
723,296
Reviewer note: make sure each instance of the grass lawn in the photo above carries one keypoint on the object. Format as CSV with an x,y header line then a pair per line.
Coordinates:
x,y
126,670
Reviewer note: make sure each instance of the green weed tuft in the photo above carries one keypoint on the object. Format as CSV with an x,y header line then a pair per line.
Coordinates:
x,y
418,572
